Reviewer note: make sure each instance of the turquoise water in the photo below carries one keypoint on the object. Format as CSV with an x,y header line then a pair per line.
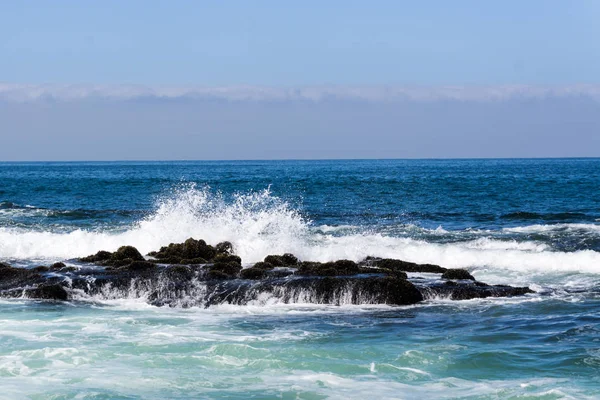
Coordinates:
x,y
523,222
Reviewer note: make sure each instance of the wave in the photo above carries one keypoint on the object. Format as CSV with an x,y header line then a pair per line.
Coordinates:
x,y
12,210
259,224
556,228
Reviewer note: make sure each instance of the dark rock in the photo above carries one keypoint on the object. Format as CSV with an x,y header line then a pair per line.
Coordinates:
x,y
457,274
253,273
182,253
127,252
98,257
399,274
58,266
224,248
218,275
226,258
190,261
225,270
13,277
335,290
140,266
263,265
335,268
123,256
399,265
48,292
200,274
285,260
41,268
179,273
467,290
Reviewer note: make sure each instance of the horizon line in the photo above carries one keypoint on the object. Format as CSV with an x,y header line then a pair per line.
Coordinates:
x,y
301,159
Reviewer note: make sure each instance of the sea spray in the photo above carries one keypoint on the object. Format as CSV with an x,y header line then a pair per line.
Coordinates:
x,y
259,223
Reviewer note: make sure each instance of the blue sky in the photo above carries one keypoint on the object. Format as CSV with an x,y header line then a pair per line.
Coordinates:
x,y
173,80
286,43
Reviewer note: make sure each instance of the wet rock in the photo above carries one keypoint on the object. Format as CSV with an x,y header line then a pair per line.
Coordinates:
x,y
190,261
179,273
399,265
98,257
48,292
194,251
457,274
127,252
224,248
223,270
11,276
199,274
253,273
140,266
263,265
227,258
335,268
41,268
123,256
285,260
465,290
58,266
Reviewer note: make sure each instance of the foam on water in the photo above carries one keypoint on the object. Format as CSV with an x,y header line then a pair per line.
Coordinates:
x,y
259,224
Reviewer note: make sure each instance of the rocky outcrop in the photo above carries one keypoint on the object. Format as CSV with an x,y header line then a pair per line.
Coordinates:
x,y
194,252
457,274
194,273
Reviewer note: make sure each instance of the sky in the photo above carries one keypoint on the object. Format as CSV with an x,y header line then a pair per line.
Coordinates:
x,y
309,79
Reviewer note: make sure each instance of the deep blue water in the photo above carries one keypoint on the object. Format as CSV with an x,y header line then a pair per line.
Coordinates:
x,y
532,222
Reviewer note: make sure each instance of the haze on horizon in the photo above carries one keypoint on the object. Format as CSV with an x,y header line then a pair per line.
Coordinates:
x,y
145,80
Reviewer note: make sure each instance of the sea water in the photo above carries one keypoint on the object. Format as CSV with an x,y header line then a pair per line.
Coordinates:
x,y
532,223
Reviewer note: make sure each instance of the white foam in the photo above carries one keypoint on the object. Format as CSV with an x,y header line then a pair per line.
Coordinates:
x,y
541,228
259,224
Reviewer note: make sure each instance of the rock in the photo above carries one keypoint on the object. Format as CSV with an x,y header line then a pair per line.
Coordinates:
x,y
190,261
226,258
285,260
263,265
223,270
58,266
191,251
127,252
179,273
48,292
335,268
253,273
98,257
202,275
399,265
224,248
140,266
123,256
11,276
41,268
457,274
370,290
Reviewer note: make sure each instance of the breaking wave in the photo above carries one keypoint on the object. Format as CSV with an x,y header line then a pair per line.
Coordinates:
x,y
258,223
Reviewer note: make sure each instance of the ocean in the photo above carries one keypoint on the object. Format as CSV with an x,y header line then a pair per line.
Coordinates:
x,y
521,222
